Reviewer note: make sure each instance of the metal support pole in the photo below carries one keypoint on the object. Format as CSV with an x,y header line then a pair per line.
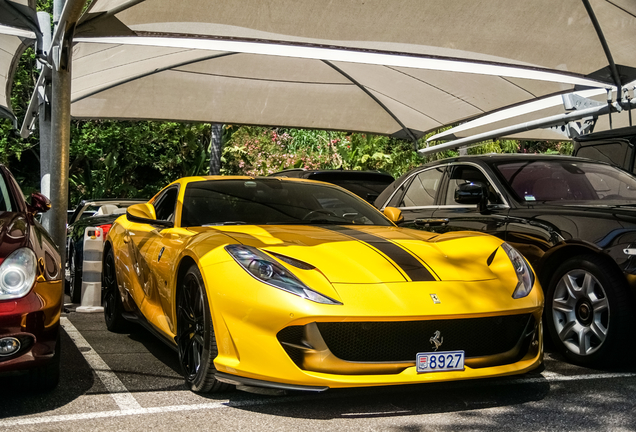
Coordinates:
x,y
61,57
609,104
44,109
60,135
628,100
216,148
561,119
58,6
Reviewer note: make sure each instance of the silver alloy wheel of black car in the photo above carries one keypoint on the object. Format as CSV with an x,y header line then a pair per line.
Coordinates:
x,y
587,311
195,338
581,312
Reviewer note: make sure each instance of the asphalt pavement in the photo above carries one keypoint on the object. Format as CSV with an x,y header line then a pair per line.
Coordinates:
x,y
132,382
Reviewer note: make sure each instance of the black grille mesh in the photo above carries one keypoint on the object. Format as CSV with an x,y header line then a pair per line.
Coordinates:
x,y
401,341
293,335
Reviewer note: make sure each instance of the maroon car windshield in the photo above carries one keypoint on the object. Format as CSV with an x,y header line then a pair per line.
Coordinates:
x,y
568,181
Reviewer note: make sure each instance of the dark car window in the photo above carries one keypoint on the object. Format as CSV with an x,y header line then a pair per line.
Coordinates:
x,y
564,180
5,196
617,153
460,174
166,203
265,201
422,189
366,189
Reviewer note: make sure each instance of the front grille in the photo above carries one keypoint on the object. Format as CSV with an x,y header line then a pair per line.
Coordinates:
x,y
292,335
401,341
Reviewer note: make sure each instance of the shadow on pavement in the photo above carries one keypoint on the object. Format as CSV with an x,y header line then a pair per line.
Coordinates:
x,y
76,378
406,400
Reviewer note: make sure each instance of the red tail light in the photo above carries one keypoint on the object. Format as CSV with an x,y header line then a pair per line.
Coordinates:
x,y
105,228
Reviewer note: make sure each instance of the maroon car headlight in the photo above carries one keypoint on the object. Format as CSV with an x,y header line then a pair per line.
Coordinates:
x,y
17,274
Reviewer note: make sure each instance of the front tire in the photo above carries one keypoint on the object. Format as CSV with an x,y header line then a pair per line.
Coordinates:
x,y
195,335
113,306
587,311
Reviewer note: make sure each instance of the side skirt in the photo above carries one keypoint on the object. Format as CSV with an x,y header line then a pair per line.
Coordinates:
x,y
136,317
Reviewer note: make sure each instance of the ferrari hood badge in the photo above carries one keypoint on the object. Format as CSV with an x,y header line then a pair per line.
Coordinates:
x,y
437,340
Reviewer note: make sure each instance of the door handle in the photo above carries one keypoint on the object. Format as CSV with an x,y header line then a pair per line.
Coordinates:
x,y
427,222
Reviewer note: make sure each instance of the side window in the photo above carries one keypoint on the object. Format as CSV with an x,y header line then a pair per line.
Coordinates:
x,y
461,174
423,188
166,203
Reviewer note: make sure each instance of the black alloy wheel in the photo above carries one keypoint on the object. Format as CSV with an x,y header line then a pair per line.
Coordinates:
x,y
195,335
587,311
75,286
111,298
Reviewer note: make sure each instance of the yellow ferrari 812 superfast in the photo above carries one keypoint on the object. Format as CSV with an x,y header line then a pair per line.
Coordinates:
x,y
300,285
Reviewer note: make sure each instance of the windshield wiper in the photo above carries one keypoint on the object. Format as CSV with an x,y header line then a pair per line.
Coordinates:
x,y
225,223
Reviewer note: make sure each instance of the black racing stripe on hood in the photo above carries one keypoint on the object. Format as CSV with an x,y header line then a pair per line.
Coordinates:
x,y
403,258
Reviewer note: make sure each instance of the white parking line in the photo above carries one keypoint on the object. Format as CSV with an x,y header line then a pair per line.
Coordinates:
x,y
108,414
124,400
265,401
554,377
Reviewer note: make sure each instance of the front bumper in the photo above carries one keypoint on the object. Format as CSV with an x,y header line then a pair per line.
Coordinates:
x,y
338,373
248,325
34,320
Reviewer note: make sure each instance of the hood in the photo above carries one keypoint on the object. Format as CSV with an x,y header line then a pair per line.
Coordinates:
x,y
372,254
14,233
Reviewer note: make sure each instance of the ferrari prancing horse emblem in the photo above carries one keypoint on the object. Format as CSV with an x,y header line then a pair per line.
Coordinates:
x,y
437,339
436,299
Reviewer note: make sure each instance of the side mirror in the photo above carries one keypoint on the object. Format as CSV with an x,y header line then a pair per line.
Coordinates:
x,y
39,204
394,214
145,213
473,193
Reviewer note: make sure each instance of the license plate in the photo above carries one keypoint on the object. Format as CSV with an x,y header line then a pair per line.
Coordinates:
x,y
441,361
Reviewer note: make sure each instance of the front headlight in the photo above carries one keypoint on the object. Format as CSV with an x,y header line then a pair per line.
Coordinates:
x,y
264,268
523,270
17,274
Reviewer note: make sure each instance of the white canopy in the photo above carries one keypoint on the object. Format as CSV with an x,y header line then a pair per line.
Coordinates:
x,y
398,68
18,23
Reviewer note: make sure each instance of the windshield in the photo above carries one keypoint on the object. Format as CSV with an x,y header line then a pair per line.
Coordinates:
x,y
569,181
272,201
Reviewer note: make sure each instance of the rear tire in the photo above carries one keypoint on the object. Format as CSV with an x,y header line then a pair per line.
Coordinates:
x,y
588,312
195,335
113,306
75,285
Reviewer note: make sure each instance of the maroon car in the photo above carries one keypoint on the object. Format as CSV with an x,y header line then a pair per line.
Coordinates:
x,y
31,289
